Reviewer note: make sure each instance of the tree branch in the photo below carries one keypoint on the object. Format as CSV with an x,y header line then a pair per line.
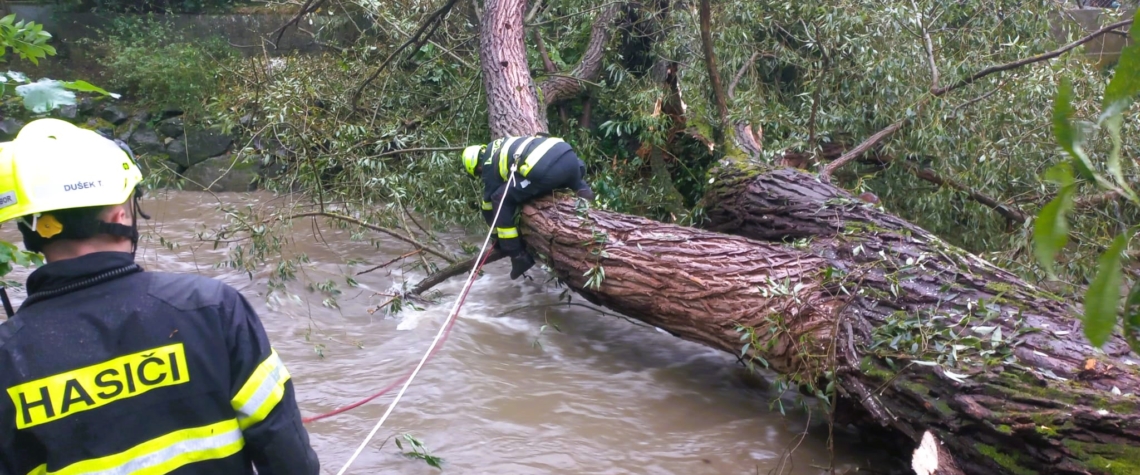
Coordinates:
x,y
550,68
1008,212
979,98
386,264
740,74
414,150
453,270
433,21
1030,60
437,45
349,219
862,148
546,62
533,11
934,80
307,8
559,88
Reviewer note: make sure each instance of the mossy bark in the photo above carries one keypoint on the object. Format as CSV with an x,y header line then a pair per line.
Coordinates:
x,y
914,334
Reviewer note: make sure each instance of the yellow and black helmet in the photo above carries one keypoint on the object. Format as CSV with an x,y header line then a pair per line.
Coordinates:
x,y
471,158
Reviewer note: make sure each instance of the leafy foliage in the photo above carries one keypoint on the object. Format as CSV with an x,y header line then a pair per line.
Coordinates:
x,y
153,62
418,451
27,39
1102,300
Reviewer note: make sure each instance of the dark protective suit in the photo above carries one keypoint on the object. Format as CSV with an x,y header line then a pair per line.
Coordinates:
x,y
545,164
110,369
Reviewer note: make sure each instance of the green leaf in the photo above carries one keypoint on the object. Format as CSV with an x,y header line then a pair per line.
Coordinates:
x,y
1060,174
45,95
1113,123
1051,229
1132,318
1125,84
84,86
1069,137
1103,295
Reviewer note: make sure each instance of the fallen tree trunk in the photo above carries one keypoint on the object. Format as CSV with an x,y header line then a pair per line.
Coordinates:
x,y
1036,396
868,311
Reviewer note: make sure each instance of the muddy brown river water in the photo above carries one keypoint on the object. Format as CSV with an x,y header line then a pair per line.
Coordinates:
x,y
600,396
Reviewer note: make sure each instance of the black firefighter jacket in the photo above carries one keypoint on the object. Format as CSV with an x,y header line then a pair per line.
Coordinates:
x,y
111,370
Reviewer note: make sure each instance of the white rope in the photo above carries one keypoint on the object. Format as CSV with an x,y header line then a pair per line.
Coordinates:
x,y
450,316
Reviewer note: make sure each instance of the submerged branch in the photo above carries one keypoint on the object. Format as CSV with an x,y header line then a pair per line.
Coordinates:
x,y
453,270
390,262
349,219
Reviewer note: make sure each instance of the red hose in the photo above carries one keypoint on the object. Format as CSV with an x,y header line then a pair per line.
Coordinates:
x,y
443,339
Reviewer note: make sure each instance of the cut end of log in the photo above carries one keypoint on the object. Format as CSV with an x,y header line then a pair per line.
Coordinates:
x,y
931,458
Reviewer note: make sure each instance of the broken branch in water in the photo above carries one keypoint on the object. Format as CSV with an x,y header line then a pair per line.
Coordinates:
x,y
441,276
386,264
455,269
349,219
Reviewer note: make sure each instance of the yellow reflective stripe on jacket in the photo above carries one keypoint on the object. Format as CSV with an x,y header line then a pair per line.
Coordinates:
x,y
507,233
533,157
261,392
488,206
520,149
504,167
163,454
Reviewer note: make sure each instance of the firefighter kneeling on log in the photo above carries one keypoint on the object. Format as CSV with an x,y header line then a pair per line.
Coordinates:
x,y
544,164
109,369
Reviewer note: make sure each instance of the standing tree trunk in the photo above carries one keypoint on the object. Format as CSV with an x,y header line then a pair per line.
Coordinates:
x,y
714,73
511,97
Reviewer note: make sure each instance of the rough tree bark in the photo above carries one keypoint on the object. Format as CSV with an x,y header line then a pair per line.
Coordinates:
x,y
876,302
512,101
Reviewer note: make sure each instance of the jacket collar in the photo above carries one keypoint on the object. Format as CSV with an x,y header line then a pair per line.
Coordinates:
x,y
68,271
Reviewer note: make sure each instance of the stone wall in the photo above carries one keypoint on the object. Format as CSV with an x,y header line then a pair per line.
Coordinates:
x,y
200,158
247,32
1077,23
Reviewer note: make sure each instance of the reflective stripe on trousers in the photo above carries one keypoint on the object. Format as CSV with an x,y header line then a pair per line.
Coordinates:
x,y
507,233
163,454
